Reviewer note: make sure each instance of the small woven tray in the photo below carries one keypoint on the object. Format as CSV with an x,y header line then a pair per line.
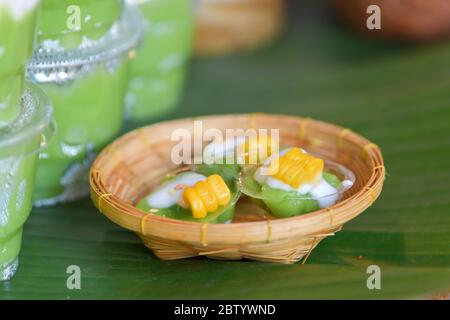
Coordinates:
x,y
132,165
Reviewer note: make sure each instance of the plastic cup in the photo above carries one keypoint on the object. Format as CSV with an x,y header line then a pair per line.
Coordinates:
x,y
20,143
158,73
87,88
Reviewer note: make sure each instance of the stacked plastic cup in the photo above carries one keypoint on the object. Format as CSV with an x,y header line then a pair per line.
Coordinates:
x,y
25,127
82,63
159,70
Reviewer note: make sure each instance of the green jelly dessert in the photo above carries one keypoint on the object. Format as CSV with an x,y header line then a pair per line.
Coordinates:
x,y
87,90
89,114
288,203
159,70
17,32
70,23
20,142
208,195
296,183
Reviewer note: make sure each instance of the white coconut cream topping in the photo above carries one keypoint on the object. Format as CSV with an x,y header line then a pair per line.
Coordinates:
x,y
171,192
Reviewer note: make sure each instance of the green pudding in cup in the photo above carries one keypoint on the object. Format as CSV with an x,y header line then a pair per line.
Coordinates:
x,y
17,32
20,142
159,70
71,23
87,87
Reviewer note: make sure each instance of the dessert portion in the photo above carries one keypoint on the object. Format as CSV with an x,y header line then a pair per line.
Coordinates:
x,y
89,113
68,24
240,150
87,85
17,31
159,70
17,179
294,182
25,122
20,142
208,194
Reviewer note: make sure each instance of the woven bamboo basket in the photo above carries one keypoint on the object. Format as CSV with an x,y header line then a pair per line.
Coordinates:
x,y
408,20
226,26
132,165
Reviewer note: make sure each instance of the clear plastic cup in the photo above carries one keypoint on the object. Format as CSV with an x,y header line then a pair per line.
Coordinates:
x,y
17,33
20,143
87,87
158,73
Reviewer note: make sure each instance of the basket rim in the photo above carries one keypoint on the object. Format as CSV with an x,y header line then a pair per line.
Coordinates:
x,y
315,221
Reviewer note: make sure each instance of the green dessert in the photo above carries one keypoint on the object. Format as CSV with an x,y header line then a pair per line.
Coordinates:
x,y
71,23
159,70
295,183
20,142
207,195
17,20
88,113
87,86
284,203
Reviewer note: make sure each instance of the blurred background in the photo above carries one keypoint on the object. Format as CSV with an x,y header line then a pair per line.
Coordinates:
x,y
390,85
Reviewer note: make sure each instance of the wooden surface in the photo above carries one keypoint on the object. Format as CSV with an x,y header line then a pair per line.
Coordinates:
x,y
397,96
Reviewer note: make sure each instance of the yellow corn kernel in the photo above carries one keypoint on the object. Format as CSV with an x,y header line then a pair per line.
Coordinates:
x,y
298,178
294,154
220,189
283,166
297,167
195,203
292,173
207,195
